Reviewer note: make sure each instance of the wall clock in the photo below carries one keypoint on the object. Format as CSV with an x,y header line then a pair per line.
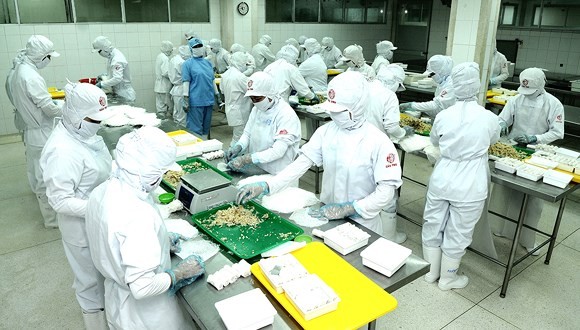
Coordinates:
x,y
243,8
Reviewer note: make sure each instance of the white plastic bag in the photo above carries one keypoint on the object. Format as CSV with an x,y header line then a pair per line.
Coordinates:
x,y
289,200
302,218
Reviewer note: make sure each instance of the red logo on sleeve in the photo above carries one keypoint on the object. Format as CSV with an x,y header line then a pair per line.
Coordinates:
x,y
443,93
391,160
525,83
331,94
117,67
559,119
283,132
102,101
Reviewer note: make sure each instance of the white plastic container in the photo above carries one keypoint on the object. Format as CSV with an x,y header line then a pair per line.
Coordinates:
x,y
568,152
346,238
558,179
542,162
530,172
246,311
385,257
507,164
311,296
281,270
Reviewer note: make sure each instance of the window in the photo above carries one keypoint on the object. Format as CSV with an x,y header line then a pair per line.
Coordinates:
x,y
44,11
306,11
507,15
551,14
146,11
98,10
326,11
8,12
189,10
279,11
414,14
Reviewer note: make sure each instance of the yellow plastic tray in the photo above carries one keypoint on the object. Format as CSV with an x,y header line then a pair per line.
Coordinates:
x,y
361,300
575,177
334,72
55,93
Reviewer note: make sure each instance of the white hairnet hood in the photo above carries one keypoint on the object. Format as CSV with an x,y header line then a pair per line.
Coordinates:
x,y
302,39
288,53
237,48
466,82
215,43
102,43
292,42
440,64
312,46
147,153
266,39
166,47
261,84
327,42
184,51
239,61
392,76
353,53
531,81
348,91
384,46
39,47
190,34
82,101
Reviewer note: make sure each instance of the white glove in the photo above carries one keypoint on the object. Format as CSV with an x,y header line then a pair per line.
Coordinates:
x,y
166,210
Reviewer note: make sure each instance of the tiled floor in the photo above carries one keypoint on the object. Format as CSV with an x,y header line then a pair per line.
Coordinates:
x,y
35,290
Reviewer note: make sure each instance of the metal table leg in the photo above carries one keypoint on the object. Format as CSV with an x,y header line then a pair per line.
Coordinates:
x,y
555,231
510,263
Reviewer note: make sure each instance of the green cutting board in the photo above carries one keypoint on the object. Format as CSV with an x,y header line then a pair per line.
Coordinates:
x,y
187,165
246,242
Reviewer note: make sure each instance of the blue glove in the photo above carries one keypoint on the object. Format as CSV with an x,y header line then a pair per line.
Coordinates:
x,y
186,271
404,107
238,163
175,241
526,139
409,130
233,152
335,211
99,85
492,81
504,128
251,191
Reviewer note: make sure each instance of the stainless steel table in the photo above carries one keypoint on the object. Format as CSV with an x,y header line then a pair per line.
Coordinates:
x,y
528,188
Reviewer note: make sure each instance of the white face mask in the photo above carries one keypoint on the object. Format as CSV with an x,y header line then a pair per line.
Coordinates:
x,y
342,119
215,50
198,52
88,129
328,47
104,53
42,64
263,105
389,55
152,186
351,64
437,78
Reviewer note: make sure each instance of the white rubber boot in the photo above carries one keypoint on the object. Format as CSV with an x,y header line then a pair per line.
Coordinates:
x,y
433,256
449,278
390,228
95,321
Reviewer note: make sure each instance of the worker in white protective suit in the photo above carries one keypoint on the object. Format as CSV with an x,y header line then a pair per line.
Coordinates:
x,y
313,68
74,161
262,54
535,116
499,69
302,55
361,165
129,243
293,42
35,112
439,68
163,84
382,112
385,50
219,57
330,53
354,59
392,76
251,61
458,186
190,34
174,72
234,86
287,76
118,76
272,135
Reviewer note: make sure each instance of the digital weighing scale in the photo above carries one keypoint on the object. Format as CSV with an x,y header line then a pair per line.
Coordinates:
x,y
204,190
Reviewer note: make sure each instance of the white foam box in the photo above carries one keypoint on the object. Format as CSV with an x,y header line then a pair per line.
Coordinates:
x,y
311,296
558,179
505,167
541,162
530,172
568,152
246,311
184,139
384,256
282,269
346,238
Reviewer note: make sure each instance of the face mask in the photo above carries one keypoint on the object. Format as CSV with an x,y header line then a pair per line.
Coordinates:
x,y
198,52
167,53
88,129
215,50
534,94
104,53
328,47
42,64
264,104
342,119
437,78
152,186
389,55
350,64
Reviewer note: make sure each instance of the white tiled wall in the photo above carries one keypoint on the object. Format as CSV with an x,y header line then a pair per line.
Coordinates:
x,y
139,42
438,29
546,49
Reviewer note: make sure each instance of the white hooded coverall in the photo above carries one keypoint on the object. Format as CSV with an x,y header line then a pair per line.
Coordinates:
x,y
174,72
162,84
238,107
119,76
313,70
262,55
287,77
499,69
